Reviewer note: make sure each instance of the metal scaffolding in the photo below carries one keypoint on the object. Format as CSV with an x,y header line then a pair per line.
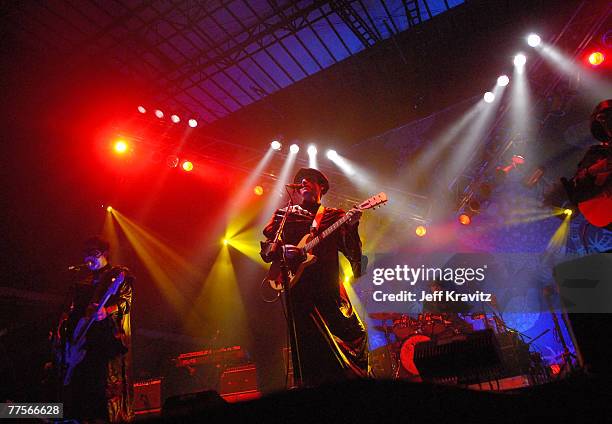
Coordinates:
x,y
209,59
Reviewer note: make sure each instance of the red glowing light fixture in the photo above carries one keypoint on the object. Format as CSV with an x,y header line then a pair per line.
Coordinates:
x,y
596,58
187,166
159,114
464,219
175,119
142,109
120,147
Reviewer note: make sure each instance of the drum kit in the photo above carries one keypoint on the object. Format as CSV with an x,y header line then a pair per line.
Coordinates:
x,y
403,332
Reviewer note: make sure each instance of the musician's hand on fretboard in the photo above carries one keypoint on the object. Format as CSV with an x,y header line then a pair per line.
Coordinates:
x,y
354,216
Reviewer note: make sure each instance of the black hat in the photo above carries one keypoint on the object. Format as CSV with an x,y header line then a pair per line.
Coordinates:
x,y
597,128
95,243
315,174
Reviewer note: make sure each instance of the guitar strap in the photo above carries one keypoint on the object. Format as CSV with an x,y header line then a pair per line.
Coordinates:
x,y
316,222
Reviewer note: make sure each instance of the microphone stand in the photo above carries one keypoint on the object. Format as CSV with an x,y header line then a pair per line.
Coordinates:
x,y
284,272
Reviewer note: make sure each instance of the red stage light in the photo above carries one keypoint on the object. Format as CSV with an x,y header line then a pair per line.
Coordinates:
x,y
258,190
596,58
120,146
465,219
187,166
555,369
142,109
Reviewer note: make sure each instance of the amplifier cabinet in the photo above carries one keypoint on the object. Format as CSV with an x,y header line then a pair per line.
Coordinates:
x,y
239,383
147,396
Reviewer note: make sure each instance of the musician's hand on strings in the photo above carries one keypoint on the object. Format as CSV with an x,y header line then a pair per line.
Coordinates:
x,y
99,315
355,215
293,252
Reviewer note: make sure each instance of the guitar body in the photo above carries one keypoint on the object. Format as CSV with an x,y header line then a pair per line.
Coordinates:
x,y
598,210
296,268
308,243
75,350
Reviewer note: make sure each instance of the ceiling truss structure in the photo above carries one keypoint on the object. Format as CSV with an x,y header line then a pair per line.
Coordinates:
x,y
208,59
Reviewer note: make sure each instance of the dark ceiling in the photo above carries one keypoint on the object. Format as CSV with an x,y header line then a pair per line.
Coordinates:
x,y
208,59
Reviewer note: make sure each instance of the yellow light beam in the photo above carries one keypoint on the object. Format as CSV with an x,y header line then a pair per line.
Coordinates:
x,y
559,238
247,243
162,273
168,254
219,302
109,232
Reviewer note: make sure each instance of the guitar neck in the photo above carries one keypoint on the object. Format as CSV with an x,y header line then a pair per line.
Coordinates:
x,y
92,318
312,243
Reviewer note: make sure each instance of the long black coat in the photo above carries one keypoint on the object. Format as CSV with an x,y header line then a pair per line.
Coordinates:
x,y
332,340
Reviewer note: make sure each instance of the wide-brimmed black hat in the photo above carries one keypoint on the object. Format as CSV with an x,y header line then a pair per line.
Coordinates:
x,y
315,174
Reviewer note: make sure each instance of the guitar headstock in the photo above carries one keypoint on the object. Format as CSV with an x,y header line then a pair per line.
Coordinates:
x,y
374,201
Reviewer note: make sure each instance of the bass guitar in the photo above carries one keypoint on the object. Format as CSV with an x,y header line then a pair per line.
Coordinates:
x,y
308,243
74,351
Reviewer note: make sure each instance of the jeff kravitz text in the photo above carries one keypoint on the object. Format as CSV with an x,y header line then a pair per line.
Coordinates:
x,y
425,296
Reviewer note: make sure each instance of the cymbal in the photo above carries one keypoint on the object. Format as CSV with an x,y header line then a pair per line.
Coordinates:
x,y
385,315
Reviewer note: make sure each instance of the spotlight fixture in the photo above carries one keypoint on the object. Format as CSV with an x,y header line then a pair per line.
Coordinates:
x,y
187,166
109,208
294,148
568,212
420,231
312,150
175,119
142,109
225,242
464,219
534,40
276,145
258,190
520,60
120,146
596,58
192,123
503,80
503,170
332,155
489,97
159,114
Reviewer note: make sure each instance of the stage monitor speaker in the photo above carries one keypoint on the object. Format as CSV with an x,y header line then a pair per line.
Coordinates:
x,y
464,361
192,403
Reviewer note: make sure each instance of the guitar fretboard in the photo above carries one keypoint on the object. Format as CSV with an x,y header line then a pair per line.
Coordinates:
x,y
312,243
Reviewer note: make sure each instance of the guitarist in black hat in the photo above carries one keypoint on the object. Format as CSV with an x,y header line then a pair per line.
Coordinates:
x,y
332,339
95,373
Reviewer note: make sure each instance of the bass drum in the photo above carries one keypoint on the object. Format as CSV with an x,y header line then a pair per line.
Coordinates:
x,y
409,369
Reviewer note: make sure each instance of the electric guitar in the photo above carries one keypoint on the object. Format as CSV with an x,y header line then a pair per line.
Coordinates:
x,y
308,243
74,351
